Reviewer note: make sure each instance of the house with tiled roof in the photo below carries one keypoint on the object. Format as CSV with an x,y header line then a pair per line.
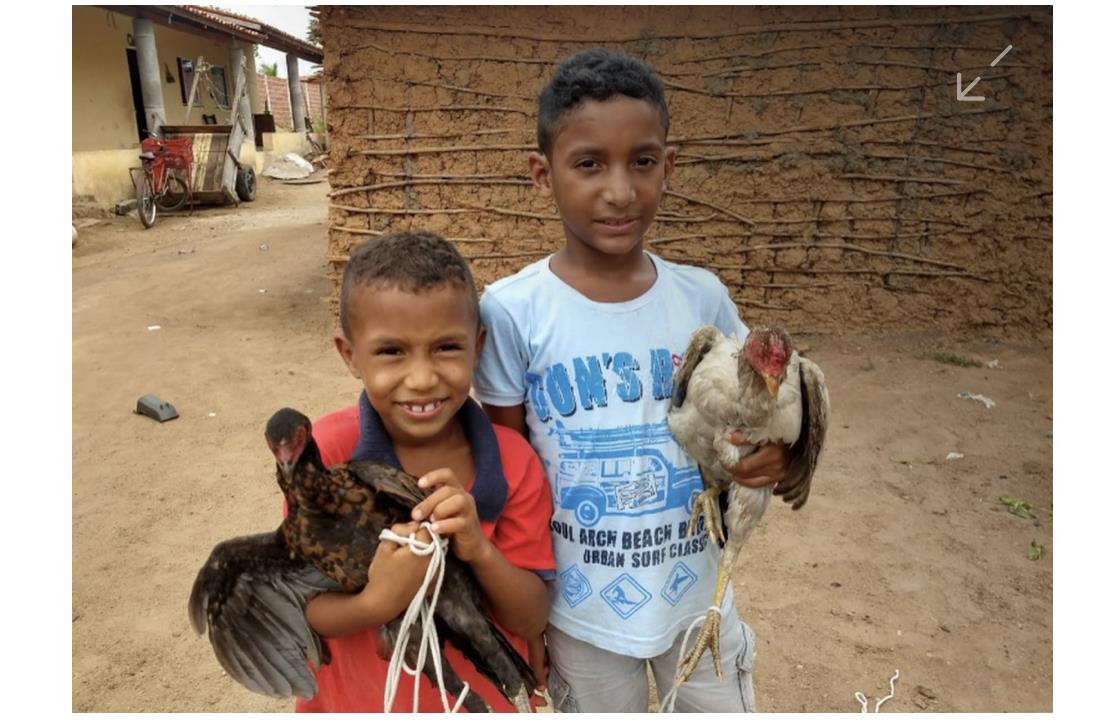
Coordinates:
x,y
134,67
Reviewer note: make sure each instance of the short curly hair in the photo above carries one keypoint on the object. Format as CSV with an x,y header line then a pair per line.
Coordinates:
x,y
411,261
596,74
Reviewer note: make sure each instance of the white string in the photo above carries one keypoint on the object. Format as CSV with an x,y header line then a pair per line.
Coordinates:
x,y
863,700
420,605
667,705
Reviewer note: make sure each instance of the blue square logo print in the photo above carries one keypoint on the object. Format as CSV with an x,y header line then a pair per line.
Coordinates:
x,y
625,596
679,580
574,586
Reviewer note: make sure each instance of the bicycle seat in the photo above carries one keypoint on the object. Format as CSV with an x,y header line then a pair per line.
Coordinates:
x,y
147,156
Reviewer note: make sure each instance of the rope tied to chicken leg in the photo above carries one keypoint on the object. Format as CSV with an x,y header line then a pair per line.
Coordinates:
x,y
667,705
422,606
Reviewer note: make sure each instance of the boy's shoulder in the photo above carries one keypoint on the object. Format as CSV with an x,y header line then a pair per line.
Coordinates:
x,y
687,277
336,434
518,285
516,453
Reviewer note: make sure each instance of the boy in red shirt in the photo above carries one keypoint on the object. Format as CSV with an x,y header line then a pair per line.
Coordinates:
x,y
409,313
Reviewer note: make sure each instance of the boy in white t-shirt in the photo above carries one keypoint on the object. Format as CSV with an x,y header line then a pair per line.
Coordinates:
x,y
581,348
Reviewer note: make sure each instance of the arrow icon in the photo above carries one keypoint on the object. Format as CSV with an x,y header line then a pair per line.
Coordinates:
x,y
963,93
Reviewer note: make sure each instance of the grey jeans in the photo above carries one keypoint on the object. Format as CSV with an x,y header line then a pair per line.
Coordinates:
x,y
583,678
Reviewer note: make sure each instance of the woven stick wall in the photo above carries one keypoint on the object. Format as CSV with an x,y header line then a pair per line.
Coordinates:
x,y
826,170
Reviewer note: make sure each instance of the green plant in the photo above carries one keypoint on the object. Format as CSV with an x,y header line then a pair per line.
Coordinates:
x,y
1018,507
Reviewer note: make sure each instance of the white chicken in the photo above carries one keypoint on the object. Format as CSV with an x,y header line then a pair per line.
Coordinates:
x,y
772,394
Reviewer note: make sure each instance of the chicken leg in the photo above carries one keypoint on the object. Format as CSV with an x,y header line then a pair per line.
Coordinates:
x,y
746,507
706,505
710,634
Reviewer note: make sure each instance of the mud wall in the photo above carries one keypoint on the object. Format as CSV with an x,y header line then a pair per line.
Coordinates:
x,y
826,170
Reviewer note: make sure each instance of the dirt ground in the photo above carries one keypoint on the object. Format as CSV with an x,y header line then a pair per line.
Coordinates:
x,y
901,559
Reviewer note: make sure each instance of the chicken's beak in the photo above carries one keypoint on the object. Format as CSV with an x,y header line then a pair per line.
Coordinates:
x,y
772,384
286,466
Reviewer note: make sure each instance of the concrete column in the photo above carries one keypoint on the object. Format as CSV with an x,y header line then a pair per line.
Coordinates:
x,y
239,75
150,73
296,98
252,78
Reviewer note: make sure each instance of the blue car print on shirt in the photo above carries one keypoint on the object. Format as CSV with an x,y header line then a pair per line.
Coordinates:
x,y
620,472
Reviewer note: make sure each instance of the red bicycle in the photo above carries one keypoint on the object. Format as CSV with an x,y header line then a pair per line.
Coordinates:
x,y
165,182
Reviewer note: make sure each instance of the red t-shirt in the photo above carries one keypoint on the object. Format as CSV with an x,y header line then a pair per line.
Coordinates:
x,y
355,679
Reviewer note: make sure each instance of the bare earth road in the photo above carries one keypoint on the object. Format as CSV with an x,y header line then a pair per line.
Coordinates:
x,y
901,559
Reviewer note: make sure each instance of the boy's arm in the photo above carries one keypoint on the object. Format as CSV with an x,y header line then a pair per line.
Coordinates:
x,y
512,417
766,465
518,598
395,576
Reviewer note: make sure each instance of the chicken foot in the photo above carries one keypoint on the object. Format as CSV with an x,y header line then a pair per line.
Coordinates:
x,y
706,505
710,634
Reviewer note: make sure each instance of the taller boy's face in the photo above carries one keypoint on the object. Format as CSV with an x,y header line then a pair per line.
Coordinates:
x,y
606,172
415,354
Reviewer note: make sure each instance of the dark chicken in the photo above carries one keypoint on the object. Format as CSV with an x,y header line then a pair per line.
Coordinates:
x,y
252,592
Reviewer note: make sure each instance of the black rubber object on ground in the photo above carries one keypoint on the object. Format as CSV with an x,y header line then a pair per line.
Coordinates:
x,y
155,408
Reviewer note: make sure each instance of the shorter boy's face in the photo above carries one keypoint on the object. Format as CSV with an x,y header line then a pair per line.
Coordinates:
x,y
606,171
415,353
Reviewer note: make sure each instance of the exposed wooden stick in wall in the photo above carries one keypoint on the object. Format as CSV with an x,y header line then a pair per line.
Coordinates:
x,y
665,240
740,301
747,54
343,258
661,217
935,144
451,134
852,247
898,179
427,182
914,117
443,211
846,272
866,199
357,231
935,159
818,91
579,39
508,255
931,68
849,43
455,58
707,204
453,176
805,91
459,88
433,108
836,247
812,285
445,149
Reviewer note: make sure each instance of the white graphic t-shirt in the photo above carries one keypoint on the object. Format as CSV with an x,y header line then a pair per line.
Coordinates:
x,y
595,379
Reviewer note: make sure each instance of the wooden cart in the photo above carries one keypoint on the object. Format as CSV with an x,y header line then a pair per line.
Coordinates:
x,y
218,176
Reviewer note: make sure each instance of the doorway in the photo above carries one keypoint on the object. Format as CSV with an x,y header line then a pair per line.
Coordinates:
x,y
137,93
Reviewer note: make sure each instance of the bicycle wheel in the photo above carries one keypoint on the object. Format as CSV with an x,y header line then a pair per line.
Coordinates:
x,y
148,209
174,194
